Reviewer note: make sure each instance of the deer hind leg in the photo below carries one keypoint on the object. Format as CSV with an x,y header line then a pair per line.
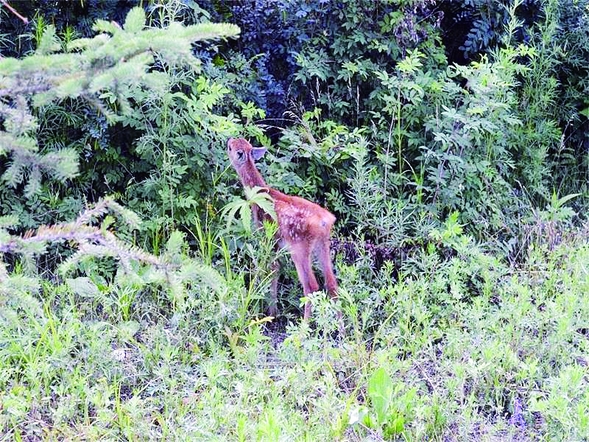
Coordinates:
x,y
324,258
301,255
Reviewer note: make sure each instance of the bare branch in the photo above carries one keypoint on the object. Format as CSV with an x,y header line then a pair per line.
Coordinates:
x,y
15,12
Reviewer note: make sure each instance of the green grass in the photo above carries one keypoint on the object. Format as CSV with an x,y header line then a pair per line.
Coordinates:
x,y
460,349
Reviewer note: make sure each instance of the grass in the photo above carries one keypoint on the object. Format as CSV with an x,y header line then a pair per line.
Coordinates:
x,y
465,348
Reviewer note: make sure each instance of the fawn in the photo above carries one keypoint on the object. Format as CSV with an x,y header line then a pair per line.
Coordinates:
x,y
303,227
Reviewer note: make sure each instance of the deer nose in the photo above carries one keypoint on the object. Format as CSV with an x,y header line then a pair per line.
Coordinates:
x,y
230,142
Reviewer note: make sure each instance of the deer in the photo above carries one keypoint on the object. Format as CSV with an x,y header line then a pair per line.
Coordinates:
x,y
304,227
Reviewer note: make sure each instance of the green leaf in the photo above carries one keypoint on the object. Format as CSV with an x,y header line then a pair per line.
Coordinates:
x,y
562,201
395,426
246,218
230,210
380,390
259,195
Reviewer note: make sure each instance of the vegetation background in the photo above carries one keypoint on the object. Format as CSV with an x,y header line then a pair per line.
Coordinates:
x,y
450,139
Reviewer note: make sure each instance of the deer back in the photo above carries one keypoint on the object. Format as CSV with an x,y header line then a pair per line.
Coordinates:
x,y
299,219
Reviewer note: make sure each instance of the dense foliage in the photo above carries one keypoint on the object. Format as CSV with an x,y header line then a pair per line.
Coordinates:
x,y
449,138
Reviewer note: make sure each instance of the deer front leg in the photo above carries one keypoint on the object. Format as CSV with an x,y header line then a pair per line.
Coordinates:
x,y
273,307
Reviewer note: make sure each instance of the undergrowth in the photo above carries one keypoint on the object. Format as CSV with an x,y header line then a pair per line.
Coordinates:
x,y
459,348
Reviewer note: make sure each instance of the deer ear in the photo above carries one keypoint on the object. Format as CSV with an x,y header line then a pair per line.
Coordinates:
x,y
258,152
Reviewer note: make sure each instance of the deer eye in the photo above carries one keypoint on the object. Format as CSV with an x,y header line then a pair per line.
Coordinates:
x,y
240,155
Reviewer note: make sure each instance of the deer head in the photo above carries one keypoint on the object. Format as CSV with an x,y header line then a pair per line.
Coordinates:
x,y
241,152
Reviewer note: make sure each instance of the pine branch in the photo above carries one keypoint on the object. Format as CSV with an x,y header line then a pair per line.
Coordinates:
x,y
115,61
30,88
89,239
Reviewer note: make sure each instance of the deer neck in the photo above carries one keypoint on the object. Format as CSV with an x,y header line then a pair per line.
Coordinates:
x,y
250,176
